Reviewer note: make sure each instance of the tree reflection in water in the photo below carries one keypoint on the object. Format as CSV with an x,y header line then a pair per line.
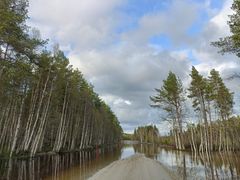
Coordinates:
x,y
81,165
59,166
215,165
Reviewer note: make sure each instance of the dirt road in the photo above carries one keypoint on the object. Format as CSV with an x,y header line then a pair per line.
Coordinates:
x,y
136,167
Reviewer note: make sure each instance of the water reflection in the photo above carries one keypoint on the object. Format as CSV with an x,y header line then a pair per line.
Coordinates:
x,y
150,150
81,165
70,166
127,151
224,165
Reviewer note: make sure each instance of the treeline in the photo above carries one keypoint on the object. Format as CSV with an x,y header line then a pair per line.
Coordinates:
x,y
212,101
192,135
223,135
127,137
45,104
146,134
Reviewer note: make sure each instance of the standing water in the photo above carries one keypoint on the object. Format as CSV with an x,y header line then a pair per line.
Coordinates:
x,y
82,165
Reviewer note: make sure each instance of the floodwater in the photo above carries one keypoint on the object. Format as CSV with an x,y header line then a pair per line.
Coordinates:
x,y
81,165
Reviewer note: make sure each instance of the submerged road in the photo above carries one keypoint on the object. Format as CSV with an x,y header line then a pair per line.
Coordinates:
x,y
136,167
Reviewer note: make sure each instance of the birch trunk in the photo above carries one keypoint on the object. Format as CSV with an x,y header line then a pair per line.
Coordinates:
x,y
18,126
84,124
42,126
29,138
57,144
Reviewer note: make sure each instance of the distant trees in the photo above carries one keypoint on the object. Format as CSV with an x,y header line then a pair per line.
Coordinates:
x,y
45,104
146,134
127,137
231,44
171,98
212,102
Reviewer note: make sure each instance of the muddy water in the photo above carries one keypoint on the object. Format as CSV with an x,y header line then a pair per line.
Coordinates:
x,y
81,165
224,165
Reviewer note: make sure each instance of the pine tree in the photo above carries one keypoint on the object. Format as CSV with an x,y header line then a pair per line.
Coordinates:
x,y
198,93
231,44
171,98
222,97
45,104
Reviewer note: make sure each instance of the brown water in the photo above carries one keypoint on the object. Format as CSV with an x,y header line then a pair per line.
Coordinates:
x,y
224,165
81,165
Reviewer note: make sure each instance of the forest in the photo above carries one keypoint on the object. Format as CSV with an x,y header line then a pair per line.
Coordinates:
x,y
146,134
150,61
45,104
212,101
214,127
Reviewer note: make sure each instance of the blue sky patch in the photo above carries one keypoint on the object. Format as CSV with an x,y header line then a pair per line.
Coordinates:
x,y
161,40
138,8
135,9
192,58
198,25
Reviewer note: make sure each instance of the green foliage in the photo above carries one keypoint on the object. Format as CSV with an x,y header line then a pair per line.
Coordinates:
x,y
230,126
166,140
170,96
197,89
213,89
146,134
231,44
127,136
45,104
208,95
220,94
15,41
171,99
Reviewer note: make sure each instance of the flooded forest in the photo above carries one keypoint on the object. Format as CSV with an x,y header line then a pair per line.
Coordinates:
x,y
54,125
45,104
83,164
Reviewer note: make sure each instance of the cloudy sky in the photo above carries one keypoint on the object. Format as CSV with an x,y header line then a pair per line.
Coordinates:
x,y
125,48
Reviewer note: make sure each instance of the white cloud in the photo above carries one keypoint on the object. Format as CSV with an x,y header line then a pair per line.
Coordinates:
x,y
173,23
83,24
220,20
128,102
124,68
208,55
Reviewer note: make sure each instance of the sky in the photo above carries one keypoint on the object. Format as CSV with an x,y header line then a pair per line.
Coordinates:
x,y
126,48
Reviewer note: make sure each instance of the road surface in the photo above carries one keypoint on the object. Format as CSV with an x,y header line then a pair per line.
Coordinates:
x,y
136,167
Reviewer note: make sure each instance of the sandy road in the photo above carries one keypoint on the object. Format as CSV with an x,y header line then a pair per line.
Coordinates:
x,y
136,167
